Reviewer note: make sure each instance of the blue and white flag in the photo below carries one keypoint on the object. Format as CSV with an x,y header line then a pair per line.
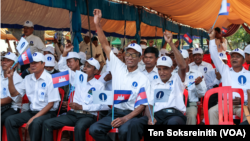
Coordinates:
x,y
103,97
22,45
161,95
81,79
224,10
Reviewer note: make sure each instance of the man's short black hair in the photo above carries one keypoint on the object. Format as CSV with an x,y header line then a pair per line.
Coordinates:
x,y
217,29
94,38
152,50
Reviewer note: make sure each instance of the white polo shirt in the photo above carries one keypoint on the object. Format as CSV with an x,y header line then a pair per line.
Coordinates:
x,y
33,88
141,65
211,80
225,71
35,44
151,75
195,91
107,84
124,80
17,79
176,96
204,67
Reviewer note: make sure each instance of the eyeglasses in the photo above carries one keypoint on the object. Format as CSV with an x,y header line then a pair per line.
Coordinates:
x,y
133,55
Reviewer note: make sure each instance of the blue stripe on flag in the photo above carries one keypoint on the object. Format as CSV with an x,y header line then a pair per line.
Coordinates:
x,y
60,74
29,55
119,101
20,60
122,92
61,84
142,101
142,90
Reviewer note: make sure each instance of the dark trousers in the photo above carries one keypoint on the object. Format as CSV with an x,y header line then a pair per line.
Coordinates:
x,y
13,122
100,129
3,116
244,123
81,122
135,130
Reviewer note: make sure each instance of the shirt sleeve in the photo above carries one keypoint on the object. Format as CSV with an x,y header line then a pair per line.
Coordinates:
x,y
102,78
115,63
40,46
20,87
201,88
53,93
220,66
18,83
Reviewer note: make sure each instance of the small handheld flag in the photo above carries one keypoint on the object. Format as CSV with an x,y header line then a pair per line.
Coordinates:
x,y
141,98
103,97
224,30
25,58
224,10
22,45
81,79
192,83
187,38
60,79
121,96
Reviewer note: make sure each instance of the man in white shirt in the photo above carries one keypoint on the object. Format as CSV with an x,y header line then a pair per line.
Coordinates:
x,y
150,60
195,91
171,111
124,77
50,50
141,64
83,112
44,100
227,77
198,64
9,105
84,46
247,55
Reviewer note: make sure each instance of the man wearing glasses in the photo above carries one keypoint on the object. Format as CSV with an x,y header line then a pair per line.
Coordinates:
x,y
125,76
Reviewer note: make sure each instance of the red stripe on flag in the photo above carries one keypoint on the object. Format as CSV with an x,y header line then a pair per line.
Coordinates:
x,y
126,96
142,95
56,79
27,61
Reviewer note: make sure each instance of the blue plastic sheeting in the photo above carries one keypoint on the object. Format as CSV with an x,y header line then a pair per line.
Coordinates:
x,y
76,28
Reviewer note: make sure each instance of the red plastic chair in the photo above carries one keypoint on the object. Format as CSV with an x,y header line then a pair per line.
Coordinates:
x,y
88,137
200,106
226,93
61,91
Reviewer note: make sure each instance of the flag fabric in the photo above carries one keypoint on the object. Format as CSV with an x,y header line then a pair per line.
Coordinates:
x,y
121,96
187,38
60,79
25,58
22,45
141,98
80,79
103,97
224,10
224,30
161,95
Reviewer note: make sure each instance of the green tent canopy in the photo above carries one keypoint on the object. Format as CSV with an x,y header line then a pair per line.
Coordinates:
x,y
117,41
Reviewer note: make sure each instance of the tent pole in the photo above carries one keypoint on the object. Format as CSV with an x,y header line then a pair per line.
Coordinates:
x,y
87,3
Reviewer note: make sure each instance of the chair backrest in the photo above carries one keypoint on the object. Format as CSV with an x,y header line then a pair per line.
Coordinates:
x,y
61,91
186,96
24,100
72,93
226,94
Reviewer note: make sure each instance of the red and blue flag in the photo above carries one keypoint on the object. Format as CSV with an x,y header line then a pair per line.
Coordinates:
x,y
25,58
187,38
121,96
224,30
141,98
224,10
60,79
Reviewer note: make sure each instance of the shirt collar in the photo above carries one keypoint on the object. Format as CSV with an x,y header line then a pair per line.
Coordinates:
x,y
43,76
202,64
92,81
159,81
135,71
154,69
29,36
243,70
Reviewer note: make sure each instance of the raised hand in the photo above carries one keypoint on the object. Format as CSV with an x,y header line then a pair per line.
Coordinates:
x,y
211,33
168,36
177,43
97,16
67,49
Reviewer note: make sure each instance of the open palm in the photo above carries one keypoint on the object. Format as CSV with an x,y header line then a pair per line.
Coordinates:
x,y
168,36
97,16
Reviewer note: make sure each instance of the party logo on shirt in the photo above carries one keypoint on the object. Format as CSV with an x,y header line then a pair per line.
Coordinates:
x,y
171,83
90,90
155,77
91,58
103,97
81,78
134,84
43,85
221,54
242,80
191,77
49,58
4,91
205,69
34,54
31,43
164,58
159,95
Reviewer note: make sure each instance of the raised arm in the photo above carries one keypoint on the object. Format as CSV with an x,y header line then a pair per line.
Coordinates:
x,y
102,38
179,59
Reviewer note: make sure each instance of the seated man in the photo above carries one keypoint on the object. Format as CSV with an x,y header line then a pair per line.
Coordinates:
x,y
44,100
83,112
124,77
9,105
171,112
237,60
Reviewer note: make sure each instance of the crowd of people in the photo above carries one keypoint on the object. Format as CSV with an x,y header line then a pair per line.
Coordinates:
x,y
133,68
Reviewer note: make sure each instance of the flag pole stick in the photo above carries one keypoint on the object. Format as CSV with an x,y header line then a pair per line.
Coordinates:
x,y
153,110
215,21
15,61
113,113
151,114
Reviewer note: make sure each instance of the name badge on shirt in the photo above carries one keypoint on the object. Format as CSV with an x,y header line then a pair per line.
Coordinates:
x,y
41,96
4,92
171,85
31,43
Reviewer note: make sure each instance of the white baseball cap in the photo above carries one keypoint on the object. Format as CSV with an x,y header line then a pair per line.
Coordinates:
x,y
222,55
28,23
163,52
144,40
11,56
239,51
143,46
164,61
82,56
115,50
247,49
135,47
184,53
72,55
50,49
37,57
49,60
87,34
197,51
92,61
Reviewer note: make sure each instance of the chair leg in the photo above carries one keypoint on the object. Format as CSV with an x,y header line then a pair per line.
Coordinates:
x,y
4,134
20,133
54,135
59,135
